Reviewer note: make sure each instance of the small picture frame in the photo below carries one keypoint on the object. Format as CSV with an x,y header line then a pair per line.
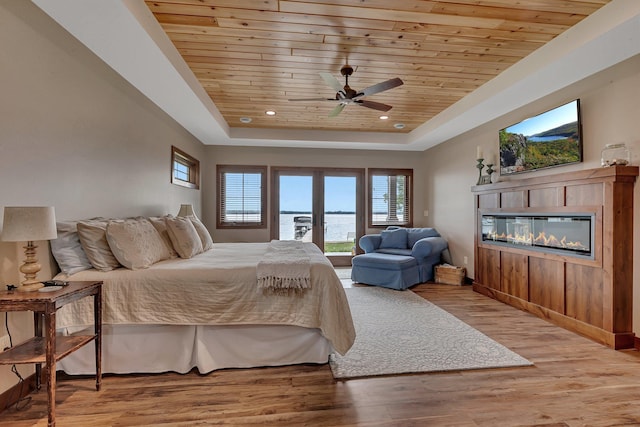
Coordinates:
x,y
485,179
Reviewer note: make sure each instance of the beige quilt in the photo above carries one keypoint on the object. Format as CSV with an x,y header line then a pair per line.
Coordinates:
x,y
217,287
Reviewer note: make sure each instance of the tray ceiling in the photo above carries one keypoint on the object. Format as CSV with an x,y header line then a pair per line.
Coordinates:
x,y
254,55
209,63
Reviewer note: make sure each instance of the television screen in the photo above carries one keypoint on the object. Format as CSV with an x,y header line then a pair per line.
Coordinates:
x,y
549,139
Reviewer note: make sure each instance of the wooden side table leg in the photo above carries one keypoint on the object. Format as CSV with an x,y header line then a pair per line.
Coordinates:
x,y
97,306
50,329
37,331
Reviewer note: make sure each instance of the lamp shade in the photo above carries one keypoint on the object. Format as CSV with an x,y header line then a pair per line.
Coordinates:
x,y
32,223
186,210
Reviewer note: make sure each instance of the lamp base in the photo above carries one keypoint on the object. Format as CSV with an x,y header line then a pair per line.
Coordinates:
x,y
31,287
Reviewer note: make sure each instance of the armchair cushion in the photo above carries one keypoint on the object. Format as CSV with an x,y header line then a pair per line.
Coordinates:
x,y
393,239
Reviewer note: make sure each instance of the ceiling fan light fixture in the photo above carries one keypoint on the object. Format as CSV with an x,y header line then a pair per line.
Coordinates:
x,y
345,95
245,119
270,113
399,125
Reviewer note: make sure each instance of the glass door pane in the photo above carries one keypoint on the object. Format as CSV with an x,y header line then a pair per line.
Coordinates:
x,y
339,218
296,207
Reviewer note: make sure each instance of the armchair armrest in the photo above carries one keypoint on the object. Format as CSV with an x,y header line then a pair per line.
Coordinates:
x,y
369,242
428,246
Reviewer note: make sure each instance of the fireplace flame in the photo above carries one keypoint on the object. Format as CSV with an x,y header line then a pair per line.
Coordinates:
x,y
540,240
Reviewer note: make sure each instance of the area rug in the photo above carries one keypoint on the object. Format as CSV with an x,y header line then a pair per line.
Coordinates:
x,y
400,332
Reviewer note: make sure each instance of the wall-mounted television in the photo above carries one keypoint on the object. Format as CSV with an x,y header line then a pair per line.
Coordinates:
x,y
552,138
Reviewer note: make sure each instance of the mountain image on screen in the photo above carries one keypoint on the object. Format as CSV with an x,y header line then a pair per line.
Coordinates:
x,y
553,147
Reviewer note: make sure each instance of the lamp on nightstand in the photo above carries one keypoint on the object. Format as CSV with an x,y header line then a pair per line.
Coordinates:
x,y
186,210
29,224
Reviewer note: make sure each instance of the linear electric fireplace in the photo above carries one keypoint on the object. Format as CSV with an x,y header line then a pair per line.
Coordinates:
x,y
568,234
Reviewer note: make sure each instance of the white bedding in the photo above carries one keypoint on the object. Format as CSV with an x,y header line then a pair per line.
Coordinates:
x,y
218,287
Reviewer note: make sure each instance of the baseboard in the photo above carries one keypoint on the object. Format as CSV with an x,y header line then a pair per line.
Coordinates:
x,y
17,392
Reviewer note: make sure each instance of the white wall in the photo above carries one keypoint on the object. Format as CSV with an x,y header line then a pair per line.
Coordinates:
x,y
610,104
301,157
76,136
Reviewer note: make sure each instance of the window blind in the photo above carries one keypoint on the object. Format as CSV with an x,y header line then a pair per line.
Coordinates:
x,y
390,199
242,198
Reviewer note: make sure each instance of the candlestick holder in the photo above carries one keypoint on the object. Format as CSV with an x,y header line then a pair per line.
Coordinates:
x,y
480,166
486,179
490,169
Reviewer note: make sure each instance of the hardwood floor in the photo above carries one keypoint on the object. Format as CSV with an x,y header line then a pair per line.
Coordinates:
x,y
575,382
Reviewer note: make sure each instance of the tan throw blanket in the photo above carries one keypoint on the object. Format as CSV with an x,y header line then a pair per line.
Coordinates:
x,y
284,268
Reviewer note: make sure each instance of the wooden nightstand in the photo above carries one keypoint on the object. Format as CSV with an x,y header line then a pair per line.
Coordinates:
x,y
49,348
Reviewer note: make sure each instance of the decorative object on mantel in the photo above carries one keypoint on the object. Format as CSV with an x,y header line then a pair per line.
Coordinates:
x,y
615,155
490,171
483,179
29,224
479,165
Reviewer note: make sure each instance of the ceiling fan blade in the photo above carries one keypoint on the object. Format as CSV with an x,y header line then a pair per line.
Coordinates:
x,y
375,105
313,99
382,86
330,80
337,110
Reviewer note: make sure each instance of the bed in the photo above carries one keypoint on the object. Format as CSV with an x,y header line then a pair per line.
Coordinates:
x,y
207,312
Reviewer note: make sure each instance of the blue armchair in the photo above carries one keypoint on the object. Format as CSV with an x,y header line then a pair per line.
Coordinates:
x,y
398,258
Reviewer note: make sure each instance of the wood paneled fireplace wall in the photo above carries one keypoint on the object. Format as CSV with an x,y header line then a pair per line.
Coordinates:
x,y
561,247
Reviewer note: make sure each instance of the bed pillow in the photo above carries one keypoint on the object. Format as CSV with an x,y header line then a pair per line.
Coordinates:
x,y
67,250
205,236
393,239
94,243
136,243
160,224
184,237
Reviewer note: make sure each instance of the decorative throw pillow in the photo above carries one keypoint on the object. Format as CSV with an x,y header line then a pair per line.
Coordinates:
x,y
94,242
205,236
67,250
136,243
393,239
184,236
160,224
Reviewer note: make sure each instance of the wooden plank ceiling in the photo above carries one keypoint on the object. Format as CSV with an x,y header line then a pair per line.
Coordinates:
x,y
255,55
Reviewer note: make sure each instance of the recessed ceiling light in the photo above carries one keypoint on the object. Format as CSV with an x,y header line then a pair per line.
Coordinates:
x,y
399,125
270,113
245,119
384,117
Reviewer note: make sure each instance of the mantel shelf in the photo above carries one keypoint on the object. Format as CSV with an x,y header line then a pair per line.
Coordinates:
x,y
617,173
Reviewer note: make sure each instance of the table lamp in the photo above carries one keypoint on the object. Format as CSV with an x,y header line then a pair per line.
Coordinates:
x,y
29,224
186,210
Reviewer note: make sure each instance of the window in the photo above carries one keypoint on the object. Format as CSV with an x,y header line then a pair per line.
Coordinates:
x,y
390,194
185,170
242,196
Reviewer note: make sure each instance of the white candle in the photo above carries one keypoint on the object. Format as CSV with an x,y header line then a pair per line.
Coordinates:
x,y
490,159
478,152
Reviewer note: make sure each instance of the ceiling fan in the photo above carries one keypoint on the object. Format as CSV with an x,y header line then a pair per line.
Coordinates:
x,y
345,95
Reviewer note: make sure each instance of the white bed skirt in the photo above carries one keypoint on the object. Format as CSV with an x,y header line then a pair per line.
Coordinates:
x,y
163,348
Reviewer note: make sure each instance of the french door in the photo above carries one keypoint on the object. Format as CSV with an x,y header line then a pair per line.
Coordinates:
x,y
319,205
